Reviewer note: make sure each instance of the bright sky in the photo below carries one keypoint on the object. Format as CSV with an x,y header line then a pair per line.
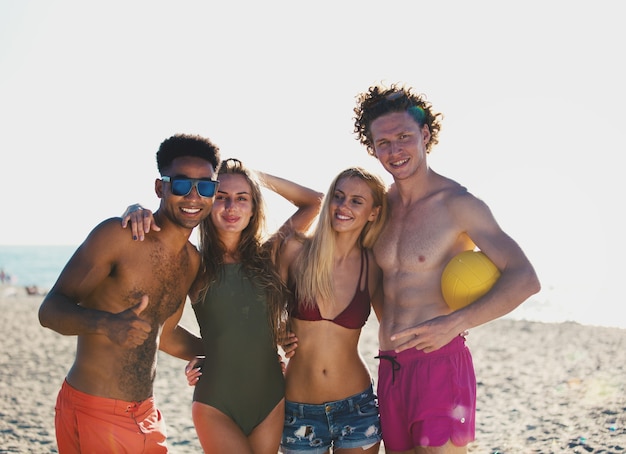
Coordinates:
x,y
532,92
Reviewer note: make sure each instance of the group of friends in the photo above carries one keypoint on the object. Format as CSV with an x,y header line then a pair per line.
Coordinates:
x,y
308,290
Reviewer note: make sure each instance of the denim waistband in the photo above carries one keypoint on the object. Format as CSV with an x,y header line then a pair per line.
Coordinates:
x,y
348,404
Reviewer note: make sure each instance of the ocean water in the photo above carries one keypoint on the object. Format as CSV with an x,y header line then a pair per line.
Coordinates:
x,y
34,265
41,265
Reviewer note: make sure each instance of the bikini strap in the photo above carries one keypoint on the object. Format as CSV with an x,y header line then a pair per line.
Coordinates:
x,y
364,258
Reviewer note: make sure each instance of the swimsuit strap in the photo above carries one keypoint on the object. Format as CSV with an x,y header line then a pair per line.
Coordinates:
x,y
364,263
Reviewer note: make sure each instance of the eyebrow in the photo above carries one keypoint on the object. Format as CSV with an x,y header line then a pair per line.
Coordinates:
x,y
350,195
397,133
236,193
183,176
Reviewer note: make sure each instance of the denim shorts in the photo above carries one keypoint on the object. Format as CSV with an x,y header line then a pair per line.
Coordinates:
x,y
348,423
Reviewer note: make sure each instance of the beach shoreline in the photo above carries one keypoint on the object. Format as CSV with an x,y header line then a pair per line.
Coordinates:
x,y
542,387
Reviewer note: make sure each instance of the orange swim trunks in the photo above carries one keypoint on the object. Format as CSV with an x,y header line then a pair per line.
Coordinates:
x,y
91,424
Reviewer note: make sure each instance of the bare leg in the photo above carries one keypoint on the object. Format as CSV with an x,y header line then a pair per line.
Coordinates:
x,y
265,438
371,450
448,448
218,433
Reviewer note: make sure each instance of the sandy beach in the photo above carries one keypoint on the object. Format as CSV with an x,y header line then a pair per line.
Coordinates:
x,y
542,388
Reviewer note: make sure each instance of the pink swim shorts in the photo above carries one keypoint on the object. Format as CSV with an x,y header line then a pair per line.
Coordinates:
x,y
426,399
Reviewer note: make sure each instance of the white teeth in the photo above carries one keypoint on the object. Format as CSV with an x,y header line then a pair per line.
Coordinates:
x,y
191,210
399,163
342,217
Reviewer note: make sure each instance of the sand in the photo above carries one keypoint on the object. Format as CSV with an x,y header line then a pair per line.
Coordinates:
x,y
542,388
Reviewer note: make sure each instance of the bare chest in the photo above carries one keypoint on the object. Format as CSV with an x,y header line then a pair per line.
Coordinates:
x,y
164,277
414,240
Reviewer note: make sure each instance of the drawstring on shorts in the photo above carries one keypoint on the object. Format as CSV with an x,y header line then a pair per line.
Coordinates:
x,y
395,365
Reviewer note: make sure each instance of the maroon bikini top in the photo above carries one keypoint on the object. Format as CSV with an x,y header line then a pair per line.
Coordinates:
x,y
354,315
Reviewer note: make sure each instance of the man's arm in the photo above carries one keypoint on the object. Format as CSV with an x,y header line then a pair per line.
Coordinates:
x,y
178,341
64,310
517,282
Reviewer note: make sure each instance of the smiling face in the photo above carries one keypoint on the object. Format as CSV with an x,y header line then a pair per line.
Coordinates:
x,y
352,205
186,211
400,143
233,207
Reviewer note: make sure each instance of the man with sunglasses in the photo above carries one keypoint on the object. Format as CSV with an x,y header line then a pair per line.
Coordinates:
x,y
123,300
426,382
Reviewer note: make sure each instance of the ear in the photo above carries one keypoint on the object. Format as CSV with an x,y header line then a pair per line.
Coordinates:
x,y
425,134
158,188
374,214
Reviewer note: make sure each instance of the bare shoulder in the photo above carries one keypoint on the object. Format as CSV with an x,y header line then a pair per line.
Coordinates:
x,y
293,243
290,249
449,189
106,227
104,245
133,267
95,265
288,253
475,221
461,202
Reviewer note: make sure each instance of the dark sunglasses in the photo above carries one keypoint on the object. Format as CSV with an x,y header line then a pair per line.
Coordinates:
x,y
183,186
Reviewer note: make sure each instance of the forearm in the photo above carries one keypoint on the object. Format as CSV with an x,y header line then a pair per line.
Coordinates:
x,y
509,292
298,195
182,344
305,199
61,314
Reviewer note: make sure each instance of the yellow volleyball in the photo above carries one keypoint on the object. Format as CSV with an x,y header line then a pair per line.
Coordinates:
x,y
467,277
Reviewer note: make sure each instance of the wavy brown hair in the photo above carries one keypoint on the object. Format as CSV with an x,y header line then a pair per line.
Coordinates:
x,y
255,255
379,100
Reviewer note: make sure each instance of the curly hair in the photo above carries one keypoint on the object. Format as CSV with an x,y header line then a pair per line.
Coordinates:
x,y
186,145
255,255
379,100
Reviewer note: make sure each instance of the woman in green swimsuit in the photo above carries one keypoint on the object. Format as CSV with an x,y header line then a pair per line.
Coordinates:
x,y
239,300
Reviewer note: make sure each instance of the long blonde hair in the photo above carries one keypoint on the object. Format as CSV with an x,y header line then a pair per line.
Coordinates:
x,y
314,265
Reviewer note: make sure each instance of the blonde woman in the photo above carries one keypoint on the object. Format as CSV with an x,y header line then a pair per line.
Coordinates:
x,y
330,403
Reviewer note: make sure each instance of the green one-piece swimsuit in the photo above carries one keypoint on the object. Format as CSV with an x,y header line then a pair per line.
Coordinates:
x,y
241,375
